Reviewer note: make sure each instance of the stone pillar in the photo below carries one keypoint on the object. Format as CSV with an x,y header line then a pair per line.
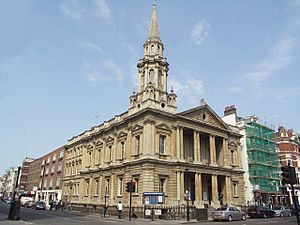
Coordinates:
x,y
214,188
178,185
212,147
178,142
196,146
227,190
112,179
181,144
182,191
198,188
225,152
128,145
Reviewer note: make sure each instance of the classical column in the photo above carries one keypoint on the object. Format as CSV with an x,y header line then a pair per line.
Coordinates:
x,y
198,187
227,190
181,144
112,186
196,146
225,152
178,185
128,144
177,143
182,191
214,188
212,147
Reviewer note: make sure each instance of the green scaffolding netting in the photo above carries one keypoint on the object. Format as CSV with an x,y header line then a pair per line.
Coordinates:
x,y
262,157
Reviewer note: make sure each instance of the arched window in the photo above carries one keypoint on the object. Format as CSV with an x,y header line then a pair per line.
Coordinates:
x,y
151,75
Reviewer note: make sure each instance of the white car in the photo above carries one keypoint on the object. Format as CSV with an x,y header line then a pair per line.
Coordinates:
x,y
282,210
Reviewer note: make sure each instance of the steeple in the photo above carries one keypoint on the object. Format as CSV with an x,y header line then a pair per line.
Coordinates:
x,y
153,72
153,34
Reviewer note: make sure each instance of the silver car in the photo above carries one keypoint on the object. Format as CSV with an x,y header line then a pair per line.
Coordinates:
x,y
282,210
228,213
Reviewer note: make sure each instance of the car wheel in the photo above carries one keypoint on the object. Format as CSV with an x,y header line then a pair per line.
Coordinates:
x,y
281,215
229,218
244,217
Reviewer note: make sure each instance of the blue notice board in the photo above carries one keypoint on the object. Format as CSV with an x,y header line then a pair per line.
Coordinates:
x,y
153,198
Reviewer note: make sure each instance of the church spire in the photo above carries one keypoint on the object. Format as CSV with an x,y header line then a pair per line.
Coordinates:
x,y
153,74
153,34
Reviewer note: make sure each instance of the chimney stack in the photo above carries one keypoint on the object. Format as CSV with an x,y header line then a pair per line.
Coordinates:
x,y
229,110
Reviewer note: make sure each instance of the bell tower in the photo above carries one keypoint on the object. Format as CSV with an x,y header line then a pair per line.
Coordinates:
x,y
153,73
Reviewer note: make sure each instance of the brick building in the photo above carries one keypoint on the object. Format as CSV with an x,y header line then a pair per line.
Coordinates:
x,y
51,172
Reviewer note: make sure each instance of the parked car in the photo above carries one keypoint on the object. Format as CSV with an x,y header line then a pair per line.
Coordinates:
x,y
28,204
260,211
282,210
228,213
39,205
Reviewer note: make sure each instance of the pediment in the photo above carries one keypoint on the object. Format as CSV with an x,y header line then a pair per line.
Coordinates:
x,y
109,139
136,127
207,116
89,146
163,126
122,134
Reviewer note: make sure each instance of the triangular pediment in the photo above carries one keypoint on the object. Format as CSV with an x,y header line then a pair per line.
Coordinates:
x,y
122,134
109,139
205,115
136,127
163,126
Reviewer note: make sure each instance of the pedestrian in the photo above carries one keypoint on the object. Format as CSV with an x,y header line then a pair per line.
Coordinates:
x,y
221,198
119,208
51,205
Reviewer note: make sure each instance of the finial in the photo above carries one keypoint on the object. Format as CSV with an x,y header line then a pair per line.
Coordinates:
x,y
172,89
133,92
202,102
154,3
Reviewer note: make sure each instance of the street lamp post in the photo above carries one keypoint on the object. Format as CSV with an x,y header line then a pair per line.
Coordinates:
x,y
187,196
105,197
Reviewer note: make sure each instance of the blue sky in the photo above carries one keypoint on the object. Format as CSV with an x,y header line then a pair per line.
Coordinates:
x,y
66,66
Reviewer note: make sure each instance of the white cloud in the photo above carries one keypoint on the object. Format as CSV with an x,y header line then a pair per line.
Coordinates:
x,y
282,53
80,10
191,90
102,9
104,71
89,45
199,32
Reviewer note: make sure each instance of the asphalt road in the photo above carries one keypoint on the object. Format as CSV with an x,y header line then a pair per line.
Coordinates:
x,y
42,217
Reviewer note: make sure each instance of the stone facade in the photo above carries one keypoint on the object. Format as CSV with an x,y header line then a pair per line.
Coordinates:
x,y
161,150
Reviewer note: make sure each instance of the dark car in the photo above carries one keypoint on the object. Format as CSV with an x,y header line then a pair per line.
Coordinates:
x,y
39,205
260,211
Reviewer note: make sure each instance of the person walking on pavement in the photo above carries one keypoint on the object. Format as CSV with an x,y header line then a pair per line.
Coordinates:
x,y
120,208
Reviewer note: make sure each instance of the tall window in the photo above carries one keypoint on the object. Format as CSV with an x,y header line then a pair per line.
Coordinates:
x,y
235,191
122,150
137,144
87,187
90,158
162,141
107,189
136,180
162,182
57,182
151,75
110,153
96,187
232,157
120,186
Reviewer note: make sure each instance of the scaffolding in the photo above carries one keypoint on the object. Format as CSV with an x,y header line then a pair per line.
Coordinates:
x,y
263,158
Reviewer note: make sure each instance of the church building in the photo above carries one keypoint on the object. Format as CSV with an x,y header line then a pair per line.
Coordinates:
x,y
169,155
